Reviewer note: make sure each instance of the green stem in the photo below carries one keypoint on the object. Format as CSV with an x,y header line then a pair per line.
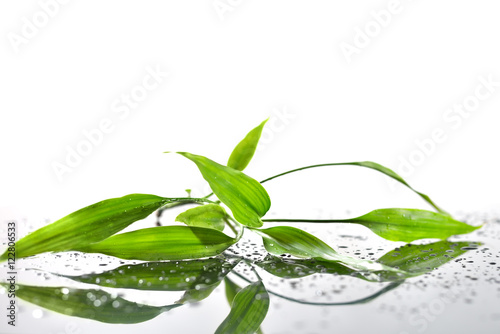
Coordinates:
x,y
306,220
231,227
386,289
366,164
190,200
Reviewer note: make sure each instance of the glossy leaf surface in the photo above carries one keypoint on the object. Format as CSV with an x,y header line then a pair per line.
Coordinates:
x,y
90,224
411,260
420,259
209,216
197,295
163,243
304,245
244,151
411,224
246,197
163,276
90,304
248,310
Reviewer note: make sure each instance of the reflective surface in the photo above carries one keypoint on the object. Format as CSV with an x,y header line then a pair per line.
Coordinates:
x,y
454,287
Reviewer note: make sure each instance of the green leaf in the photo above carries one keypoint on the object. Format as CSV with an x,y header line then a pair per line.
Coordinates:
x,y
246,198
210,216
296,242
367,164
231,290
197,295
411,224
90,304
411,260
420,259
304,245
244,151
90,224
248,310
163,243
297,268
162,276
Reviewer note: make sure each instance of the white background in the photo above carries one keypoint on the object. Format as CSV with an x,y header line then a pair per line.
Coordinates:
x,y
232,67
229,70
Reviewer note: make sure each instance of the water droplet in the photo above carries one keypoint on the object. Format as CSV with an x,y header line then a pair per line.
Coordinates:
x,y
37,314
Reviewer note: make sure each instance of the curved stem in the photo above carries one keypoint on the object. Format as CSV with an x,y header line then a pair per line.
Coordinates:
x,y
366,164
367,299
306,220
189,200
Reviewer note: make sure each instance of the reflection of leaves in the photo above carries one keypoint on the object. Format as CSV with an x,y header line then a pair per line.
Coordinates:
x,y
91,304
285,239
197,294
248,310
166,276
231,290
420,259
411,260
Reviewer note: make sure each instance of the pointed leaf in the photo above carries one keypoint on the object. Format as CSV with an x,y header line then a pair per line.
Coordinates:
x,y
197,295
248,310
163,243
411,260
231,290
162,276
90,224
244,151
246,198
420,259
298,268
411,224
304,245
210,216
90,304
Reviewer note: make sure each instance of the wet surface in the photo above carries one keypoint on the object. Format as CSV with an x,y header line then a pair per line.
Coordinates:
x,y
455,288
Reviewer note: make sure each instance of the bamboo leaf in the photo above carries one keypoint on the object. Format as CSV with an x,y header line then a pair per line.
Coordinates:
x,y
304,245
411,260
210,216
297,268
367,164
197,295
162,276
246,198
248,310
90,304
244,151
90,224
231,290
411,224
420,259
296,242
163,243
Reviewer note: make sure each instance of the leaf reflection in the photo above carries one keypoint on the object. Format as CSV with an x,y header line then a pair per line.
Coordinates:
x,y
199,278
